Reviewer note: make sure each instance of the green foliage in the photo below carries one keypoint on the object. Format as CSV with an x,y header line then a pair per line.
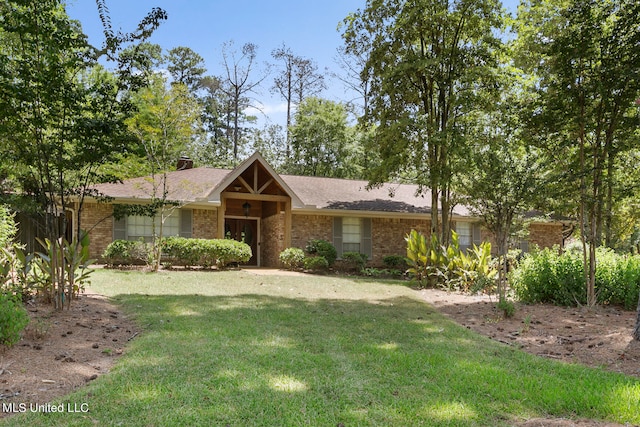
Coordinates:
x,y
319,139
324,249
65,266
394,261
507,307
292,258
316,263
432,264
416,53
548,276
20,273
13,319
205,252
354,260
180,251
8,227
127,252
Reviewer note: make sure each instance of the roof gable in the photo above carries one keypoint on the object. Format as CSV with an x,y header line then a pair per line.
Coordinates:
x,y
254,176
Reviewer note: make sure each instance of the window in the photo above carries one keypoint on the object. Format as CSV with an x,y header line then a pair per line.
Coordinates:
x,y
142,226
468,234
352,234
136,227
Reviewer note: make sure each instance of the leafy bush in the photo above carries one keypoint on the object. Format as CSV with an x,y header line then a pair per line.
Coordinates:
x,y
324,249
394,261
8,227
354,260
548,276
315,263
13,319
205,252
127,252
292,258
432,264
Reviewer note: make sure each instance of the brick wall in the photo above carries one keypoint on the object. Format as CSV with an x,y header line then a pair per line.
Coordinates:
x,y
205,223
545,235
307,227
387,236
97,218
272,242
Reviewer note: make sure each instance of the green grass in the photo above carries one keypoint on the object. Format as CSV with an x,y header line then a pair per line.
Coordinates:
x,y
233,348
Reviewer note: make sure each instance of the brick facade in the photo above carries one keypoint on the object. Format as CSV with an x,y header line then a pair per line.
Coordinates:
x,y
98,218
387,236
205,223
272,242
545,235
307,227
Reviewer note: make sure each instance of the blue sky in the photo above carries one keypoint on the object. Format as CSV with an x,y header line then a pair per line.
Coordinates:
x,y
307,27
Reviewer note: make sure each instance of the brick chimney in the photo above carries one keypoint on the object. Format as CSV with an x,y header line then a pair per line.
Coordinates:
x,y
184,162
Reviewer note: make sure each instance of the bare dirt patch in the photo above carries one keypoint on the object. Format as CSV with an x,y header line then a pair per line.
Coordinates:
x,y
63,350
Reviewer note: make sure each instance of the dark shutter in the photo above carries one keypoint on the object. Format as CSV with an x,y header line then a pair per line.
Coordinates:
x,y
337,235
476,233
186,223
119,229
366,245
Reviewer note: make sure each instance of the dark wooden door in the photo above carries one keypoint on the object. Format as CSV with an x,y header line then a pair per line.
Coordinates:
x,y
244,230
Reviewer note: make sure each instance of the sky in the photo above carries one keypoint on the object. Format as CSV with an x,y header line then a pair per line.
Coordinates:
x,y
307,27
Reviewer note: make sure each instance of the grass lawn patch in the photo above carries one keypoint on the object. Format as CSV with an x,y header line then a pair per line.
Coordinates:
x,y
233,348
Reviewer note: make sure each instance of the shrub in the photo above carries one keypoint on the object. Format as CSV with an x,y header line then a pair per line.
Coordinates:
x,y
432,264
324,249
292,258
204,252
8,227
394,261
354,260
315,263
13,319
127,252
548,276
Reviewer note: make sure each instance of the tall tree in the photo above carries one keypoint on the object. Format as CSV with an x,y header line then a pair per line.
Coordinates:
x,y
186,67
502,175
58,120
427,60
584,54
237,85
164,124
298,79
318,139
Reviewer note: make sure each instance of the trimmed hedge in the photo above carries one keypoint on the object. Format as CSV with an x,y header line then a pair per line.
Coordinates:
x,y
180,251
204,252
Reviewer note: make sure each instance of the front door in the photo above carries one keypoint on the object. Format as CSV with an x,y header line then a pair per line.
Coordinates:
x,y
243,230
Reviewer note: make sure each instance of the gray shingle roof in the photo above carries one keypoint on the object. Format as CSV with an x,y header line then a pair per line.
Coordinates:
x,y
315,192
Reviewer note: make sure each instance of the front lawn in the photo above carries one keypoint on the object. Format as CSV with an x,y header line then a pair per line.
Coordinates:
x,y
238,349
